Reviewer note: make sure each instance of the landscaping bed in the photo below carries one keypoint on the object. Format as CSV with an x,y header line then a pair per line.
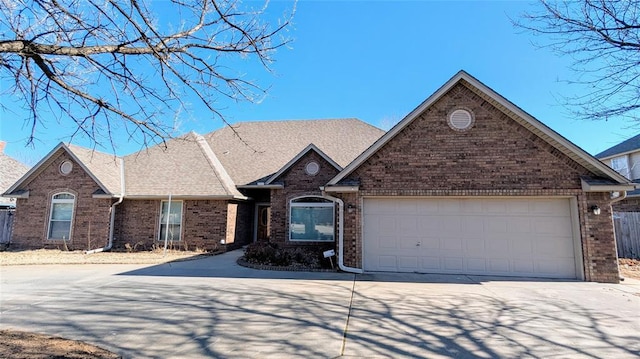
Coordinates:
x,y
24,345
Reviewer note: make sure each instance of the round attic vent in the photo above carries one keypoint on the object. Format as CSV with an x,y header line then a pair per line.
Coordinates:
x,y
461,119
66,167
312,168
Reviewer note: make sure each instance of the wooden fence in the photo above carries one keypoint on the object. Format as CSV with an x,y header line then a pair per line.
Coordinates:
x,y
6,224
627,234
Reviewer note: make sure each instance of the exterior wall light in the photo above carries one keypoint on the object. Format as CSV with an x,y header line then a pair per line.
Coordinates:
x,y
595,210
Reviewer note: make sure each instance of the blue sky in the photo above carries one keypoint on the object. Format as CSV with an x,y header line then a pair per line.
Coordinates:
x,y
376,61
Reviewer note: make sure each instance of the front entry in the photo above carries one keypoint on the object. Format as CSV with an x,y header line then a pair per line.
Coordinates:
x,y
263,222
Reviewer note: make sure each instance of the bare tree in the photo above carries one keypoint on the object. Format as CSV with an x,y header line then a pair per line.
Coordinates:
x,y
128,66
603,39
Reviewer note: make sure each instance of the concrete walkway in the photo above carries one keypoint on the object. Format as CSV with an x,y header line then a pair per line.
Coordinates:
x,y
213,308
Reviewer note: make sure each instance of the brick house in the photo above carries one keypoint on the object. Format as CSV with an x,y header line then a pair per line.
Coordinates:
x,y
466,183
624,158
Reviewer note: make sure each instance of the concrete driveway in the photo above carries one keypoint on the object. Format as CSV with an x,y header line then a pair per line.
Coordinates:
x,y
213,308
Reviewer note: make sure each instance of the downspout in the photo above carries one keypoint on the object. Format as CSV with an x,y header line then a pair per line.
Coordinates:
x,y
112,211
341,236
620,197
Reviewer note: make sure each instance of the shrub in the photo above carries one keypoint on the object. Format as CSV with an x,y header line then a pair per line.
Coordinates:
x,y
267,253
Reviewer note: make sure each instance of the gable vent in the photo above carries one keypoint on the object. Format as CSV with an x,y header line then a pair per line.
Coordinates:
x,y
460,119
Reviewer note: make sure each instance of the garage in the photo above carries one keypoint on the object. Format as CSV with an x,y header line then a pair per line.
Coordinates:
x,y
527,237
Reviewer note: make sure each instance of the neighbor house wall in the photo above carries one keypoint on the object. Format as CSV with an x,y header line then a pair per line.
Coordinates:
x,y
496,157
90,224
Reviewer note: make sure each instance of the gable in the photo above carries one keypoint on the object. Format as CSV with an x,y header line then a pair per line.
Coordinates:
x,y
320,158
107,182
296,176
488,100
495,153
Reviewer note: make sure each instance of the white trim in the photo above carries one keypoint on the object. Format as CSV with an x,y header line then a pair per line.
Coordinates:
x,y
340,189
557,140
587,187
24,194
184,197
73,212
261,185
578,253
169,209
310,147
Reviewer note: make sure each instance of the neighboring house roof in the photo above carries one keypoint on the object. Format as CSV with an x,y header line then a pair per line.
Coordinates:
x,y
565,146
630,145
254,151
104,169
186,167
10,171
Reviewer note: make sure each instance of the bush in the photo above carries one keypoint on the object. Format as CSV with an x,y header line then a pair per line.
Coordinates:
x,y
266,253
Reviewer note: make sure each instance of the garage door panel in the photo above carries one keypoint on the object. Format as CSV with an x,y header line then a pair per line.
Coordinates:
x,y
521,237
408,263
454,264
477,264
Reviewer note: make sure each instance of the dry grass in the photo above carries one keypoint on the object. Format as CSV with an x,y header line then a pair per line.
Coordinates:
x,y
23,345
629,268
54,256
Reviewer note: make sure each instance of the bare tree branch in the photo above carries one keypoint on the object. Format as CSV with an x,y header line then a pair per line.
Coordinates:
x,y
111,65
603,39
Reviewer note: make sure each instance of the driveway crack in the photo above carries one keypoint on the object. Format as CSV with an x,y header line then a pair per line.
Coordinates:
x,y
346,324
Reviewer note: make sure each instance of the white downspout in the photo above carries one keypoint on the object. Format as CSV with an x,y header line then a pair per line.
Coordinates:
x,y
620,197
623,195
341,236
112,209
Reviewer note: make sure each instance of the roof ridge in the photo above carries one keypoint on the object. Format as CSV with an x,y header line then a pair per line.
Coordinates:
x,y
217,166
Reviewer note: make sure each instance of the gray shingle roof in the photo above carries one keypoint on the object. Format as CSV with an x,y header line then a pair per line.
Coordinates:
x,y
186,167
10,171
269,145
629,145
104,167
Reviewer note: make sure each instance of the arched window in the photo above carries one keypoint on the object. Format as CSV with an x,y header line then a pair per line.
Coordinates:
x,y
311,219
61,216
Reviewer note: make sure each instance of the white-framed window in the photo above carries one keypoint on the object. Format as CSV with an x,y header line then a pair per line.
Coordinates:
x,y
621,165
170,221
61,216
312,219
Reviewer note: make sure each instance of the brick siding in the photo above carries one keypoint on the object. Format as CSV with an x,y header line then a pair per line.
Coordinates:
x,y
90,223
627,205
298,183
205,223
496,157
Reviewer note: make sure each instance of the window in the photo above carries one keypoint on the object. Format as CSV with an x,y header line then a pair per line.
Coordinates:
x,y
311,219
171,220
621,165
61,216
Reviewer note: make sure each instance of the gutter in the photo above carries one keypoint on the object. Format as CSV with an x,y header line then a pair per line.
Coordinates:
x,y
341,236
112,211
623,195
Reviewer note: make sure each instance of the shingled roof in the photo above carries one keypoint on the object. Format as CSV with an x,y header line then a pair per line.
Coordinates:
x,y
185,167
632,144
252,151
10,171
211,166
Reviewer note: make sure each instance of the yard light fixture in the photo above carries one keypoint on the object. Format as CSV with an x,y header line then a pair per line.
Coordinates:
x,y
595,210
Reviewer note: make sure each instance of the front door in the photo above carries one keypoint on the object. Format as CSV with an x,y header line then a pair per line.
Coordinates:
x,y
263,225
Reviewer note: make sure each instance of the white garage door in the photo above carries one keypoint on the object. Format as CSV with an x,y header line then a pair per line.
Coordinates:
x,y
510,237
